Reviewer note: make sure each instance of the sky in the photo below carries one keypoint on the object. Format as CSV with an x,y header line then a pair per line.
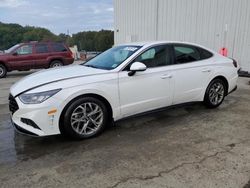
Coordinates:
x,y
59,15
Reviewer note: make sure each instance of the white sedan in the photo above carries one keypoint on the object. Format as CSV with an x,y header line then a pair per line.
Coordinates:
x,y
79,101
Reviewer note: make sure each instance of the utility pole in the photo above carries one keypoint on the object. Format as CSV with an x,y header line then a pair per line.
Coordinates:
x,y
68,37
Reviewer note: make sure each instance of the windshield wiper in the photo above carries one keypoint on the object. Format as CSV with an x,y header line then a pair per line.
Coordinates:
x,y
92,66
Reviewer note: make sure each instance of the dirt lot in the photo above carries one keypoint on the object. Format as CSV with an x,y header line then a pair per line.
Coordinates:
x,y
181,147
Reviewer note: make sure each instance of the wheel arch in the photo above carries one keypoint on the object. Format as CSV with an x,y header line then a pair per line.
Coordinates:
x,y
224,79
97,96
5,65
55,59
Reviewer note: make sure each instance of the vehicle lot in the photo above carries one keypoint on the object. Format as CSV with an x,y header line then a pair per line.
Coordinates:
x,y
187,146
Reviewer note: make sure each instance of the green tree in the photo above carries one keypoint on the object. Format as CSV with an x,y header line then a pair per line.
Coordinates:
x,y
11,34
94,40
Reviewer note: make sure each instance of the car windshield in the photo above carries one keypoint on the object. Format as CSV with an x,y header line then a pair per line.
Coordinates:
x,y
112,58
12,48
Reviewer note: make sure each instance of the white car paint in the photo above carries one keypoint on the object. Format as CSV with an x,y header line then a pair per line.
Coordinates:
x,y
127,95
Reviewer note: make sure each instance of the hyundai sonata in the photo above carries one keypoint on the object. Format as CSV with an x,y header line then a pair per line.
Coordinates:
x,y
79,101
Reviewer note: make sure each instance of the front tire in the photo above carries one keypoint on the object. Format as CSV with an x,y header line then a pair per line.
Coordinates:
x,y
3,71
215,93
84,118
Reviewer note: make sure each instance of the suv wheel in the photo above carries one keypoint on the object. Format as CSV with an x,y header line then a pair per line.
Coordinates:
x,y
84,118
215,93
3,71
56,63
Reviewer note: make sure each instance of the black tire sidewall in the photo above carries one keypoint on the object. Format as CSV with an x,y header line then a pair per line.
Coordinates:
x,y
206,98
54,62
4,71
66,124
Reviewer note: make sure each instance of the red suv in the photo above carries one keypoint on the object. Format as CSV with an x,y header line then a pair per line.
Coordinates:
x,y
34,55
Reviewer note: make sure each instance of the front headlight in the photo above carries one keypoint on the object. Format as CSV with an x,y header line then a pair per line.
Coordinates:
x,y
36,98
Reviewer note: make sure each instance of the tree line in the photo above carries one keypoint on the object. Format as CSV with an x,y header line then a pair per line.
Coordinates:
x,y
11,34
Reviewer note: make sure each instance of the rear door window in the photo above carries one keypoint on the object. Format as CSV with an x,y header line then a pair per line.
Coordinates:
x,y
57,47
42,48
186,54
205,54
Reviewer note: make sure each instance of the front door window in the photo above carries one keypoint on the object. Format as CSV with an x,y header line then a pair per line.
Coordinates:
x,y
24,50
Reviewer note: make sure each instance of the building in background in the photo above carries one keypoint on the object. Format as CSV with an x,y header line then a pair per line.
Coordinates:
x,y
212,23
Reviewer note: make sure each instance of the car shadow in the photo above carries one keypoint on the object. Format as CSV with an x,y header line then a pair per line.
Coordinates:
x,y
15,74
130,131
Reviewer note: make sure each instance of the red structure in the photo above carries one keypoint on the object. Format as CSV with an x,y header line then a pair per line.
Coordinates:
x,y
224,51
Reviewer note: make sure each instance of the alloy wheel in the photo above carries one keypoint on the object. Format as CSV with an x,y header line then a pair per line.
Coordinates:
x,y
216,93
1,71
87,118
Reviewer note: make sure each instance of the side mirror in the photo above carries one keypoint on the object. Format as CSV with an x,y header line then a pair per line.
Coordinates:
x,y
15,54
135,67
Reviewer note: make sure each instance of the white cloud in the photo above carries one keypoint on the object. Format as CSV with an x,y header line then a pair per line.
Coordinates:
x,y
12,3
111,9
62,15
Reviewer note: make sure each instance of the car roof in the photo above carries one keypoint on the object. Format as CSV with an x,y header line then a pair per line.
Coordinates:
x,y
149,43
152,43
42,42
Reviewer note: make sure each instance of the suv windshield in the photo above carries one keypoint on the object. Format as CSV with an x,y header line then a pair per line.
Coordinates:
x,y
12,48
112,58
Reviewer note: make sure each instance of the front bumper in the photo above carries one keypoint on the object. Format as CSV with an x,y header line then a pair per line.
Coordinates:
x,y
23,131
34,120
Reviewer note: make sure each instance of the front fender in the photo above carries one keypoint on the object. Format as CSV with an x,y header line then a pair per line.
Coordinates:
x,y
110,93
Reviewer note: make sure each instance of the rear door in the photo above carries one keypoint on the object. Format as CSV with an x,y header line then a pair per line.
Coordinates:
x,y
22,58
42,53
192,72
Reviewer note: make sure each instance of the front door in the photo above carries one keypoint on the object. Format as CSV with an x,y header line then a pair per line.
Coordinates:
x,y
22,58
150,89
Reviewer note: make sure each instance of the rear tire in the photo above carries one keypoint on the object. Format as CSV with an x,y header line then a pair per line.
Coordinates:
x,y
215,93
56,63
84,118
3,71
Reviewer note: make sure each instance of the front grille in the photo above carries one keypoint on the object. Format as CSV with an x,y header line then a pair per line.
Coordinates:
x,y
13,106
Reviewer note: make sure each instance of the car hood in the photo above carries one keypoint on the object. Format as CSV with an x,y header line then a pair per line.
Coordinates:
x,y
4,54
53,75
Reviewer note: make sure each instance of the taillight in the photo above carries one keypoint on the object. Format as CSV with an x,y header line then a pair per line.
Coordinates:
x,y
71,54
235,63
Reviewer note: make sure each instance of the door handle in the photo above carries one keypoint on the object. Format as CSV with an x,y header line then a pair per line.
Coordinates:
x,y
165,76
206,70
